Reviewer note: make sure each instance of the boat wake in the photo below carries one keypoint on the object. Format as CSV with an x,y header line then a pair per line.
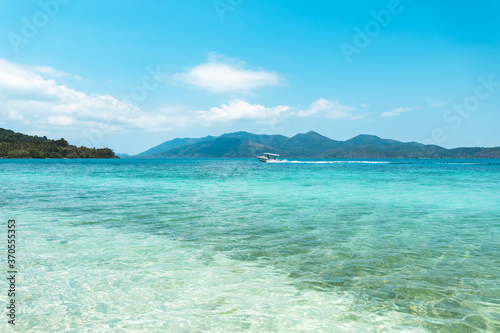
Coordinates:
x,y
329,162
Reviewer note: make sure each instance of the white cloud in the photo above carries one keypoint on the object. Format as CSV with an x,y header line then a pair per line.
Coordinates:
x,y
61,120
238,109
15,115
329,109
35,103
397,111
434,103
51,72
223,75
40,105
28,97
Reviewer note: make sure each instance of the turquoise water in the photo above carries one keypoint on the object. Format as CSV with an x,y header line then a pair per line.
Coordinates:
x,y
237,245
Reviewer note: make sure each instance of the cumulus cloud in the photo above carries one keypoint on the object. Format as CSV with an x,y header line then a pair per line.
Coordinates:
x,y
223,75
329,109
238,109
29,97
396,112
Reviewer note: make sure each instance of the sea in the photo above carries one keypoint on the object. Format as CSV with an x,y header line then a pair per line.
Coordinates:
x,y
236,245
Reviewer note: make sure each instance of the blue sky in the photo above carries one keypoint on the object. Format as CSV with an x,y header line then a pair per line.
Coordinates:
x,y
131,74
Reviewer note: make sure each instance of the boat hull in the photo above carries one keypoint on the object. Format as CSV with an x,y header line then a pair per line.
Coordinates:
x,y
268,157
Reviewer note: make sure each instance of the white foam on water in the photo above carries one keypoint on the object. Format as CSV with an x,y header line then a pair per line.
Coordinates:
x,y
328,162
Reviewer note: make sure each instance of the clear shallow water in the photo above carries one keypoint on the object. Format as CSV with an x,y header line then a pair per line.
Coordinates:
x,y
238,245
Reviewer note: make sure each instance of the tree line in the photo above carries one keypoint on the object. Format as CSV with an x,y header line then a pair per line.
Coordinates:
x,y
18,145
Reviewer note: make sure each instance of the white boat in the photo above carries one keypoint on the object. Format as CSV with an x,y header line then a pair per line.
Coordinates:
x,y
268,157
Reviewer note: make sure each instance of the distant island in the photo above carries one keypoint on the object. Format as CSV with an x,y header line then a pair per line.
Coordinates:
x,y
308,145
18,145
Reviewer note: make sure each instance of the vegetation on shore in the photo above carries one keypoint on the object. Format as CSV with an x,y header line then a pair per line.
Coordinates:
x,y
18,145
307,145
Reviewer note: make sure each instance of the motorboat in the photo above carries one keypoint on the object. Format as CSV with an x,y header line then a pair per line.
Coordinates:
x,y
268,157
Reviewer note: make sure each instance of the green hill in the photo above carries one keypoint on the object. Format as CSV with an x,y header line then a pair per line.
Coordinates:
x,y
18,145
308,145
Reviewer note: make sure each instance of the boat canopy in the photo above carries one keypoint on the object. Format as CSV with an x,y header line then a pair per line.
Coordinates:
x,y
271,154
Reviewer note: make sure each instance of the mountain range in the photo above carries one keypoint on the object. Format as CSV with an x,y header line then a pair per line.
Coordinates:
x,y
307,145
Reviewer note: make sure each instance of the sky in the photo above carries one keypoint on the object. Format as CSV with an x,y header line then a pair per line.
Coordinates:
x,y
130,75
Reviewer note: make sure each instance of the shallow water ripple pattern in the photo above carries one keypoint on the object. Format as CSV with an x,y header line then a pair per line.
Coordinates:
x,y
237,245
